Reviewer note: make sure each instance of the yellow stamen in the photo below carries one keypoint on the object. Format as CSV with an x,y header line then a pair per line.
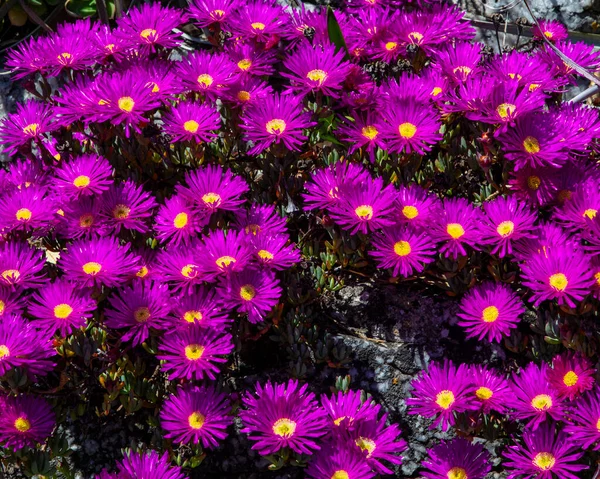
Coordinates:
x,y
570,379
457,473
366,444
284,427
391,46
180,220
11,275
64,58
506,228
217,13
407,130
126,104
205,80
505,109
490,314
484,393
62,311
81,181
196,420
23,214
463,70
147,33
192,316
4,351
455,230
534,182
258,26
531,145
189,271
542,402
369,132
402,248
436,91
265,255
340,474
244,64
558,281
22,424
590,213
121,212
194,352
92,268
211,198
3,306
243,95
142,272
544,461
410,212
444,399
364,212
225,261
247,292
415,36
141,315
275,126
191,126
31,129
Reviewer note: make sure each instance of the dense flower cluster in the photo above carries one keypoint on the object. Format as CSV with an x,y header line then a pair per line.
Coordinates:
x,y
165,205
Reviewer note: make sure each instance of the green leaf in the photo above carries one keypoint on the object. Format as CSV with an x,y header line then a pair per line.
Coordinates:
x,y
335,32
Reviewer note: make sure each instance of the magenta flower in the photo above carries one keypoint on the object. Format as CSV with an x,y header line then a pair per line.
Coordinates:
x,y
207,73
149,26
260,221
126,205
546,236
337,460
199,309
140,307
194,353
24,346
277,118
20,265
27,58
583,206
316,69
366,207
260,21
143,465
251,292
363,132
440,392
27,209
535,185
208,12
85,175
544,454
417,207
251,59
32,121
583,420
68,50
212,188
192,122
580,53
571,375
180,266
61,306
490,311
283,415
534,397
491,390
83,218
224,253
550,29
160,79
247,91
178,222
10,302
529,71
196,415
327,185
457,459
558,273
404,249
25,421
274,252
99,261
347,409
459,225
460,61
410,127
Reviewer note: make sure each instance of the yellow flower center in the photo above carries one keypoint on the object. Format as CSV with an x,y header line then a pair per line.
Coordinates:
x,y
92,268
225,261
463,70
505,109
369,132
597,276
570,379
254,229
247,292
490,314
366,444
506,228
211,198
154,88
194,352
217,13
436,91
391,46
258,26
11,275
544,461
189,271
542,402
534,182
402,248
196,420
31,129
244,64
3,306
81,181
142,272
341,474
598,424
180,220
515,75
4,351
126,104
548,35
410,212
62,311
23,214
266,255
121,212
444,399
484,393
339,420
590,213
407,130
110,47
276,126
243,95
455,230
205,80
22,424
457,473
415,36
364,212
191,126
531,145
284,427
147,33
192,316
558,281
141,315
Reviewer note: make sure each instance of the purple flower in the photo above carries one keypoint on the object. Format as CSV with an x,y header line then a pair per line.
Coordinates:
x,y
20,265
260,221
251,292
363,132
82,218
316,69
274,252
584,419
583,205
178,222
85,175
580,53
416,207
143,465
457,459
194,353
534,398
25,421
32,121
99,261
558,273
208,12
571,375
260,21
459,225
283,415
196,415
545,236
68,50
251,59
326,185
550,29
247,91
10,302
492,391
490,311
24,346
180,266
347,409
544,454
140,307
337,460
27,209
460,61
535,185
276,118
199,309
224,253
61,306
192,122
441,391
27,57
207,73
404,249
128,206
